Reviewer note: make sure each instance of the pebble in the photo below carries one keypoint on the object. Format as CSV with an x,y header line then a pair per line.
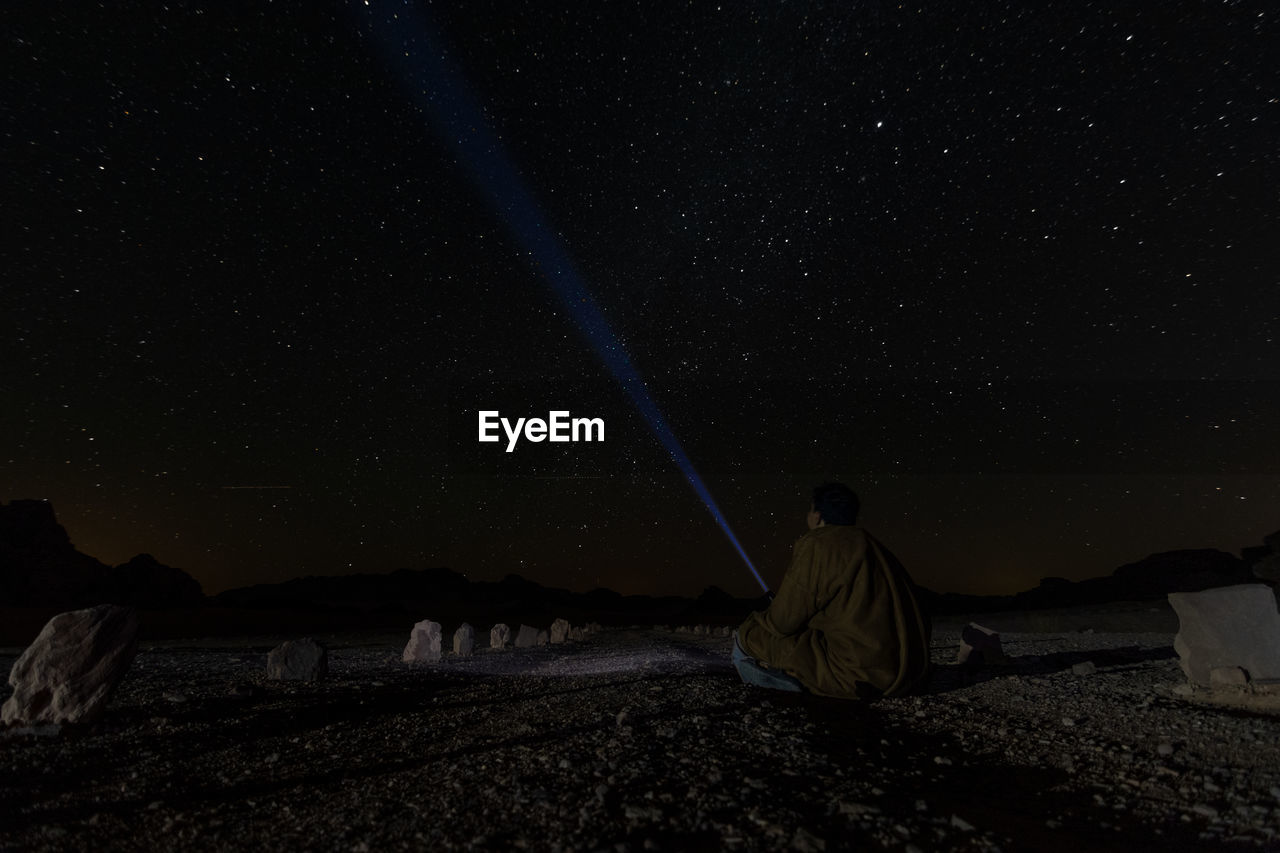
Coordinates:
x,y
805,841
1165,749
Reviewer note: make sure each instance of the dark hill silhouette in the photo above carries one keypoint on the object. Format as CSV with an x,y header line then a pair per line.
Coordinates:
x,y
39,567
514,598
1151,577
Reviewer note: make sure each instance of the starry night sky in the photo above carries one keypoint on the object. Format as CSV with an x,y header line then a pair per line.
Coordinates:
x,y
1009,272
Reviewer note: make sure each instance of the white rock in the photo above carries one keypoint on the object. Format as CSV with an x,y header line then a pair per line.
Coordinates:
x,y
68,673
499,636
1230,626
424,642
303,660
464,640
542,638
979,645
527,637
576,634
560,630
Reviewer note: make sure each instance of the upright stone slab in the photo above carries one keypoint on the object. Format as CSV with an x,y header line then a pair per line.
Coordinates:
x,y
68,673
1230,626
576,634
527,637
424,642
542,639
560,630
464,640
979,645
303,660
499,636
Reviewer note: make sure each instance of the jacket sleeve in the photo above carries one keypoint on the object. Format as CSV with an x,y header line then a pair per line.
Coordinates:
x,y
796,601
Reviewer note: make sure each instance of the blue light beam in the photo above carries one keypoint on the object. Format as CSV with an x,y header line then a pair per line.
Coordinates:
x,y
437,84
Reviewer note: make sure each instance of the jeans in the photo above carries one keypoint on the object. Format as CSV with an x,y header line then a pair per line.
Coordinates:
x,y
753,673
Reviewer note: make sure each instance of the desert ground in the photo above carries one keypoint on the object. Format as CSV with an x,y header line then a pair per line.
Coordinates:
x,y
643,738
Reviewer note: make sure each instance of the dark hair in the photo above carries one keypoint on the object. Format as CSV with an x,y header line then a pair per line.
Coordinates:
x,y
837,503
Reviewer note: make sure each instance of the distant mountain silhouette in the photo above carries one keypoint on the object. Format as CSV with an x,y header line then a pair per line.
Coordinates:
x,y
39,567
1151,577
440,589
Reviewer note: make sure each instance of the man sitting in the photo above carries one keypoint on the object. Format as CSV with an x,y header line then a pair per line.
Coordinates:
x,y
846,621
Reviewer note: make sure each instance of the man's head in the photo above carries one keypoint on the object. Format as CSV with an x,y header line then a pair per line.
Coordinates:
x,y
833,503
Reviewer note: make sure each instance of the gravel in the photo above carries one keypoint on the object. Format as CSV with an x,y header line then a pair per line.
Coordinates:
x,y
638,739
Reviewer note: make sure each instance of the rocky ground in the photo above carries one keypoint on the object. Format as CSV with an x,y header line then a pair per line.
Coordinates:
x,y
645,739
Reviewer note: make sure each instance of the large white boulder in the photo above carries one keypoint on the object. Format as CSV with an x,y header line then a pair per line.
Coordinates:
x,y
424,642
560,630
1229,626
68,673
499,636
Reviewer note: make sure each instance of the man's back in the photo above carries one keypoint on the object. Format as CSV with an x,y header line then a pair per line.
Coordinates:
x,y
846,620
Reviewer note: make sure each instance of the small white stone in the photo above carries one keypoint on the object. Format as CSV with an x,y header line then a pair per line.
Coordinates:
x,y
464,640
301,660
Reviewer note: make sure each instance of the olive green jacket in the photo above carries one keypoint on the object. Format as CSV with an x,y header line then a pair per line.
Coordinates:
x,y
846,620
